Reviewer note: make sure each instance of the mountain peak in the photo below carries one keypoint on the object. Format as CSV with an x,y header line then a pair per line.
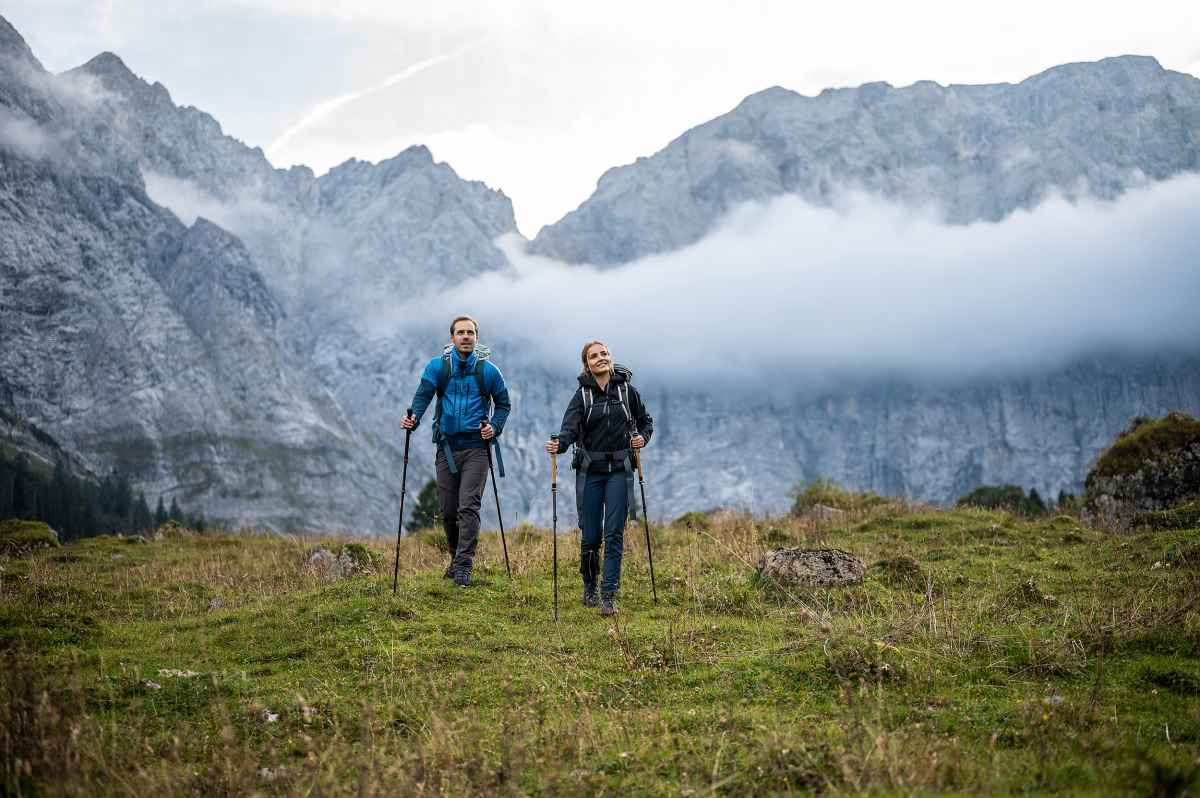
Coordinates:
x,y
12,43
109,64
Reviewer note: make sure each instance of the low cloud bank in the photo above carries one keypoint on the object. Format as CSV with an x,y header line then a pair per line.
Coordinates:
x,y
188,201
786,290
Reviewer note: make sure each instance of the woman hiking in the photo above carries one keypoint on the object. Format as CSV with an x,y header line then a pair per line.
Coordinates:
x,y
606,421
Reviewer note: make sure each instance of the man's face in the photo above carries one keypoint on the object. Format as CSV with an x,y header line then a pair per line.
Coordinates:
x,y
463,337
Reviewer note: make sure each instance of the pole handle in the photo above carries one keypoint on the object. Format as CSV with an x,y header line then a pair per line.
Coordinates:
x,y
554,464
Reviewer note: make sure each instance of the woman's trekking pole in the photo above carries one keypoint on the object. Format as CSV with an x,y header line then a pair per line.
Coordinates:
x,y
554,512
637,457
403,488
496,492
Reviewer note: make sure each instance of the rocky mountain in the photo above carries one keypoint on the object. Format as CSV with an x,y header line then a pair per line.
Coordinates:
x,y
172,304
975,152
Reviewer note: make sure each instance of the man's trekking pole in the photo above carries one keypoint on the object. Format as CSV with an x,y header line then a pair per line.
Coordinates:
x,y
554,512
637,457
403,488
496,492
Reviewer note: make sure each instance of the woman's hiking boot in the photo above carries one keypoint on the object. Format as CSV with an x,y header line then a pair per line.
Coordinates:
x,y
591,598
608,606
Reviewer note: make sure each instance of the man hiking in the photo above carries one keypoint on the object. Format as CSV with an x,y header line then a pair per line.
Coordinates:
x,y
465,383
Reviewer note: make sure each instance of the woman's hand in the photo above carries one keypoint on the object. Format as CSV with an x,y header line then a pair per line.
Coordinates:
x,y
552,446
637,442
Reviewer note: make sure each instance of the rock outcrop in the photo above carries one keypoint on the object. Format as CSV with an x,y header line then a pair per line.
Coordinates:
x,y
1152,466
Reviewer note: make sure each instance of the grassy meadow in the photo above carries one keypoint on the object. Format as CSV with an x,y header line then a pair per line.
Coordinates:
x,y
984,653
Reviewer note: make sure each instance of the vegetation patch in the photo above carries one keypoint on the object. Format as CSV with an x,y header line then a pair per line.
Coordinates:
x,y
1004,497
1178,680
18,536
1183,516
826,493
901,572
1145,440
693,521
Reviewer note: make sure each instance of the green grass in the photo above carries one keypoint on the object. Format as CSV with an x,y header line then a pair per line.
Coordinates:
x,y
983,653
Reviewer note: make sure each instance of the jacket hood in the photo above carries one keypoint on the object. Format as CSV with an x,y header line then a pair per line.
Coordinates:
x,y
586,380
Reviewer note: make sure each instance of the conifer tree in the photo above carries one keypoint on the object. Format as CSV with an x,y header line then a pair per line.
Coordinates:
x,y
175,514
426,512
160,513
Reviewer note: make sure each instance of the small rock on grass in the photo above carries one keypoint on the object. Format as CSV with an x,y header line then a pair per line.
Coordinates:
x,y
811,567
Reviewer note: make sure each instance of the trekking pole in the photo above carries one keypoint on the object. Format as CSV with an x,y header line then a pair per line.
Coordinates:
x,y
496,492
403,488
637,457
554,511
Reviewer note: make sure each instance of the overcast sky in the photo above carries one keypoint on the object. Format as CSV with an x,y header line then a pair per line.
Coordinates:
x,y
539,98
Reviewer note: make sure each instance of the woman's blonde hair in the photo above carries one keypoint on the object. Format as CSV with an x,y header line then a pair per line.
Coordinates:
x,y
583,355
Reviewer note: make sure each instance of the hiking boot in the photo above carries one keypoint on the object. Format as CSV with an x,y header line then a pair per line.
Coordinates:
x,y
591,598
462,579
449,572
608,606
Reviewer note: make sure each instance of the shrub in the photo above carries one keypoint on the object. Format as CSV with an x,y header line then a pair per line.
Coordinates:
x,y
830,494
693,520
901,572
18,536
1004,497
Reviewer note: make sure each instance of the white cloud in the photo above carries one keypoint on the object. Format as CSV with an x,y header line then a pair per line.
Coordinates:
x,y
25,138
188,201
787,290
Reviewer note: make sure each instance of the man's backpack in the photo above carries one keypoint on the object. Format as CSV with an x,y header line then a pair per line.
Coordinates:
x,y
482,354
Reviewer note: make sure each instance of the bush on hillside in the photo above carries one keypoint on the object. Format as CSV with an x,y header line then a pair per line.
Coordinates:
x,y
1145,440
827,493
18,536
1004,497
693,520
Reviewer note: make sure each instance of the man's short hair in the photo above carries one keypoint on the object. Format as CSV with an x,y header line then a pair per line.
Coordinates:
x,y
457,319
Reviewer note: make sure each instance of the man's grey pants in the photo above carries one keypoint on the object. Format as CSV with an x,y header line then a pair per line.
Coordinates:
x,y
459,496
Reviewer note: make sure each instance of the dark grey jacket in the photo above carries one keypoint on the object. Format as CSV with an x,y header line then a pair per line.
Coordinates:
x,y
603,431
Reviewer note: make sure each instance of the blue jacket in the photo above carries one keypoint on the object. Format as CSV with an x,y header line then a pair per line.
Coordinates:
x,y
462,405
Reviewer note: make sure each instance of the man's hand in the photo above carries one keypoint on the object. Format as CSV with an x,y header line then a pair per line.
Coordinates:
x,y
409,422
487,431
552,446
637,442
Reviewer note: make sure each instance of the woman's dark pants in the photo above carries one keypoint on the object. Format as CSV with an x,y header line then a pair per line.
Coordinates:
x,y
605,507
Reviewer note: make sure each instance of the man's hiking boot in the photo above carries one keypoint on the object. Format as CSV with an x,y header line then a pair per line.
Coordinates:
x,y
449,572
591,598
462,579
608,606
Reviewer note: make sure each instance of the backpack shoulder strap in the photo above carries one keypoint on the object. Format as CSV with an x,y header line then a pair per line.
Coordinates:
x,y
588,398
444,379
623,394
483,391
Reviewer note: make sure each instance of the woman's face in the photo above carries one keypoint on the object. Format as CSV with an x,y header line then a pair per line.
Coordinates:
x,y
599,361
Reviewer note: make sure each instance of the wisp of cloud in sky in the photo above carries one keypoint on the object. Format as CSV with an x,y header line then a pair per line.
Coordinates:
x,y
324,109
866,289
